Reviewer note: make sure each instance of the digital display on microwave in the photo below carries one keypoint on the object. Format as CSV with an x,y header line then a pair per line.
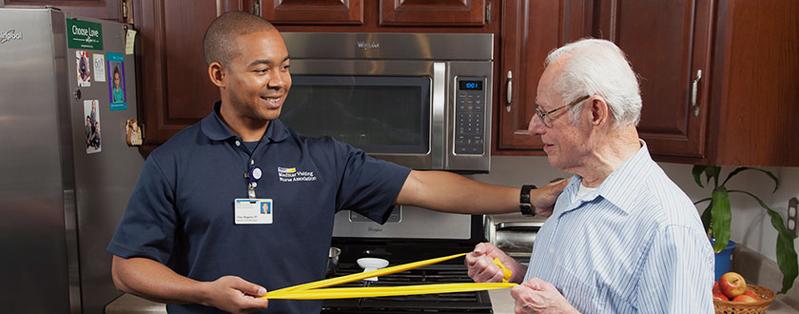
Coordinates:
x,y
470,85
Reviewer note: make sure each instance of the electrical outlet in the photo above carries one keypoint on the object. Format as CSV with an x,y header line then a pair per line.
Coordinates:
x,y
793,203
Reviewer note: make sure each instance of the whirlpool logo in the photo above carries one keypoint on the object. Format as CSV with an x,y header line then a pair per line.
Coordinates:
x,y
10,35
367,44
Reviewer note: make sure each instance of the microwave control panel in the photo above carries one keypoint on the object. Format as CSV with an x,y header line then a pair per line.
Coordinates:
x,y
469,116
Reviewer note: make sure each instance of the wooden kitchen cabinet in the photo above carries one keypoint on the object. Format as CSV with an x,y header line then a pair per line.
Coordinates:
x,y
754,84
174,89
529,31
746,94
116,10
738,111
342,12
433,12
668,45
369,16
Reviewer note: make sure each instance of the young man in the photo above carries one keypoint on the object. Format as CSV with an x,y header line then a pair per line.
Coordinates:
x,y
190,235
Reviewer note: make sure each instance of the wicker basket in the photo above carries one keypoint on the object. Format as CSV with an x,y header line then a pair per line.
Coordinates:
x,y
729,307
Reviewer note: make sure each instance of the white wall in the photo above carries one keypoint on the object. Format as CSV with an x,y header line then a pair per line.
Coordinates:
x,y
750,226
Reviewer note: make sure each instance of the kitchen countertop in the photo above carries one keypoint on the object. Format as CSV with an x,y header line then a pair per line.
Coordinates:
x,y
749,263
501,303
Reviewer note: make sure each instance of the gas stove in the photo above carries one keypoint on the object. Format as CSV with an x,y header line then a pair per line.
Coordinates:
x,y
413,234
466,302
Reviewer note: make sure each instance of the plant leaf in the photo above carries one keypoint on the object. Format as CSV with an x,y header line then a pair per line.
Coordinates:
x,y
706,215
712,172
786,253
721,218
742,169
703,200
697,172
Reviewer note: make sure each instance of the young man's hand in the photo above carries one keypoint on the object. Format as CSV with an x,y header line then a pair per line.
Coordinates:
x,y
235,295
544,198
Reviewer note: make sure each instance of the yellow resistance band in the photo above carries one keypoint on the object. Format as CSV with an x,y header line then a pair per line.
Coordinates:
x,y
313,291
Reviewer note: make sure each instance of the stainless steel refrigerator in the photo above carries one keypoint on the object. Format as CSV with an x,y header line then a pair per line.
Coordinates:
x,y
67,100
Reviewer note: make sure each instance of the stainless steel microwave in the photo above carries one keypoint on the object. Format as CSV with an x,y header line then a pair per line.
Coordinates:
x,y
420,100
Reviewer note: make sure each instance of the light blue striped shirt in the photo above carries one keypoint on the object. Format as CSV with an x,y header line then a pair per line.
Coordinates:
x,y
636,245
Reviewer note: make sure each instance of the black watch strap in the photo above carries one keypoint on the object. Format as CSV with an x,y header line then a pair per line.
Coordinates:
x,y
525,203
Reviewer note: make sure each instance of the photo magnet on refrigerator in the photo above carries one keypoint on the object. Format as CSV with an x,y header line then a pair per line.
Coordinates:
x,y
83,68
133,134
116,79
91,121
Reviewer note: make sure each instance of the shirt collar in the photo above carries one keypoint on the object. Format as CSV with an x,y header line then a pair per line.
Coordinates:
x,y
215,128
619,189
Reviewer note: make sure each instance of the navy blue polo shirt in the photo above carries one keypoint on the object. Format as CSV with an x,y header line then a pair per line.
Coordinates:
x,y
181,211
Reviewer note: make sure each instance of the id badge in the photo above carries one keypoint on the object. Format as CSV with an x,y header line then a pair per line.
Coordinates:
x,y
253,211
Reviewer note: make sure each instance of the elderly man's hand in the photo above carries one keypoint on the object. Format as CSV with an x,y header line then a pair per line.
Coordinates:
x,y
538,296
482,269
544,197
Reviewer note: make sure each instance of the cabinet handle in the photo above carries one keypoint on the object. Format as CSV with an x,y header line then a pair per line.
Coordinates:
x,y
694,91
509,91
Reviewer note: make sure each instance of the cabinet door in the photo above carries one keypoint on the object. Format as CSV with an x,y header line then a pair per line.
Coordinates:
x,y
667,43
100,9
530,30
175,90
433,12
313,12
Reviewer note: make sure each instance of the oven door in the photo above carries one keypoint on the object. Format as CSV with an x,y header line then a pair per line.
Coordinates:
x,y
391,109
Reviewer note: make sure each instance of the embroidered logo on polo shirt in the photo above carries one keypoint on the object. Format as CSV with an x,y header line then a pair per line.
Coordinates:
x,y
294,175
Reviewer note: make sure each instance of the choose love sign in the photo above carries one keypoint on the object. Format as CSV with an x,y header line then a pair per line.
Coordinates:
x,y
84,35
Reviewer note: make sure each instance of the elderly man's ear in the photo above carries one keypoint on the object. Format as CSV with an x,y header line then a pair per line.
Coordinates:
x,y
600,113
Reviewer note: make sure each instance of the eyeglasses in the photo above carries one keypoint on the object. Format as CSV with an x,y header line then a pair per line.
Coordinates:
x,y
547,116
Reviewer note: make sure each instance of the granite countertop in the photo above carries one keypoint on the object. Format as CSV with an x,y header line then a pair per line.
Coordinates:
x,y
502,303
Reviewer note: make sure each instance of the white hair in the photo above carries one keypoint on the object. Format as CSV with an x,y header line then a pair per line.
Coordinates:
x,y
598,67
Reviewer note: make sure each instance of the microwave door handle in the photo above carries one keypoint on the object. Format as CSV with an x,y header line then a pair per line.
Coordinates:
x,y
509,91
438,136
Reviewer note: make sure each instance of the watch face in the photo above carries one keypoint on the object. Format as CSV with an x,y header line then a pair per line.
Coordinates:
x,y
526,210
525,194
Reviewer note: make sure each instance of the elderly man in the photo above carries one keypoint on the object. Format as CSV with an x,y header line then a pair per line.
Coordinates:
x,y
623,238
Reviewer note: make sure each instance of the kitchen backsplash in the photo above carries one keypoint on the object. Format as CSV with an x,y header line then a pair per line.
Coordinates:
x,y
750,225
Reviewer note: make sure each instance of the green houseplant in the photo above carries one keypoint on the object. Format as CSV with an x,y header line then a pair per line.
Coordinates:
x,y
717,218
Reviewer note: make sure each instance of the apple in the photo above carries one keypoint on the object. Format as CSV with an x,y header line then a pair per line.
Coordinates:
x,y
716,287
751,293
745,299
720,296
732,284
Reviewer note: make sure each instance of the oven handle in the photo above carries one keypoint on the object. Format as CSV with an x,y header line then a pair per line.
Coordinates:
x,y
509,91
509,225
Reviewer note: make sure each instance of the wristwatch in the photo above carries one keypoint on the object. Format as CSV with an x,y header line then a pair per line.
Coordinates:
x,y
525,203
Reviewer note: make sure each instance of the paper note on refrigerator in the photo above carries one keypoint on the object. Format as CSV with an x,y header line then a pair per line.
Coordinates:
x,y
130,39
99,67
